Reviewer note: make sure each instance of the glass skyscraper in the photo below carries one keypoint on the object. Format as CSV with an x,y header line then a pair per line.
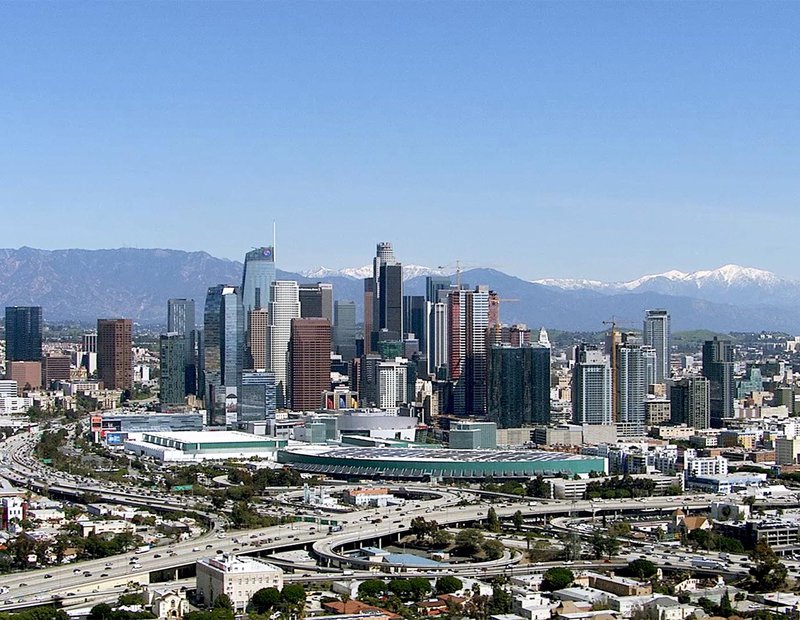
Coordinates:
x,y
223,346
591,386
257,278
656,334
23,333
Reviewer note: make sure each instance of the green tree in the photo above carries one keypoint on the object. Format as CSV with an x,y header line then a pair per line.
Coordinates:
x,y
448,584
265,599
556,578
469,542
492,521
223,601
493,549
500,602
518,520
101,611
767,571
293,594
371,588
641,569
725,607
420,587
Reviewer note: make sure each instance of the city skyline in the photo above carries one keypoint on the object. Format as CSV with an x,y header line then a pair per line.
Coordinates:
x,y
557,121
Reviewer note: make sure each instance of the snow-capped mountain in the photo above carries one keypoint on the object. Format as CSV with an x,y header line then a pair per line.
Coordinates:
x,y
729,284
409,271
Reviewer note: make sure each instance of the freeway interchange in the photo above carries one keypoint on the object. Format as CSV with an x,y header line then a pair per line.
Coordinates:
x,y
447,505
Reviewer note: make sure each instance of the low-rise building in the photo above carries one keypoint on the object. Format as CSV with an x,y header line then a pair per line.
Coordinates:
x,y
238,577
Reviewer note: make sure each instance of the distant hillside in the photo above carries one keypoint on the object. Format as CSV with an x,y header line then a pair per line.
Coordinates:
x,y
82,285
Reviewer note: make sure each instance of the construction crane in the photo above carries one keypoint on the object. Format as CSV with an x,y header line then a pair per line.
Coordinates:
x,y
457,266
494,307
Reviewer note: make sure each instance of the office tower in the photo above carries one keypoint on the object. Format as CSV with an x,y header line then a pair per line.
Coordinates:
x,y
631,387
415,320
494,309
468,316
690,402
172,381
181,320
223,347
23,333
392,383
591,386
718,369
256,400
434,284
28,375
55,368
316,300
368,387
369,311
257,279
89,343
657,335
310,362
437,338
257,350
180,316
344,329
519,385
387,302
284,306
650,364
114,353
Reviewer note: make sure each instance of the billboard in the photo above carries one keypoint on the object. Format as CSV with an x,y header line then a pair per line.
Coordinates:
x,y
116,439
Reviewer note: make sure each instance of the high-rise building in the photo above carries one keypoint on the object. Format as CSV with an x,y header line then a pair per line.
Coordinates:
x,y
369,311
415,320
631,387
368,379
591,386
223,347
284,306
387,303
718,369
257,279
434,284
256,400
180,316
89,343
392,383
344,329
310,359
468,317
690,402
257,350
316,301
519,385
23,333
172,380
437,339
55,368
115,353
181,320
657,335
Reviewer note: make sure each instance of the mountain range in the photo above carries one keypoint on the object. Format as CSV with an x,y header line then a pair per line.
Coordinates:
x,y
82,285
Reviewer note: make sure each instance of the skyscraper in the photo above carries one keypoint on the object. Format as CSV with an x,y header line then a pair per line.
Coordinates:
x,y
591,386
256,400
316,300
387,302
284,306
23,333
718,369
257,279
437,339
172,380
257,350
223,349
310,358
434,284
344,329
181,320
115,353
519,385
656,334
468,317
180,316
415,319
631,387
690,402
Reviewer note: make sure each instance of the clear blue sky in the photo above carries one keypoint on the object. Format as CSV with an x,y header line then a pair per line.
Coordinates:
x,y
560,139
